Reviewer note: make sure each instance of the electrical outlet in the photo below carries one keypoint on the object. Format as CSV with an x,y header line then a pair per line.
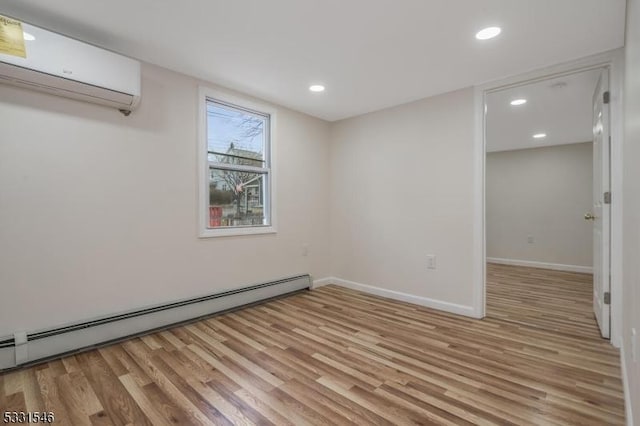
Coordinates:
x,y
530,239
305,249
431,261
634,345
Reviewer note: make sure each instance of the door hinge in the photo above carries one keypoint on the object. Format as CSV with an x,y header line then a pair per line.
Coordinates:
x,y
606,97
607,298
607,197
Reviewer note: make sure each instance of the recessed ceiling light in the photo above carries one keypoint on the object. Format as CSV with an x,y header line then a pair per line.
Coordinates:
x,y
540,135
27,36
316,88
517,102
487,33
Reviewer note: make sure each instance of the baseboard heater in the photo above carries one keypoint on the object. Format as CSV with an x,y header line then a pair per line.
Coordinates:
x,y
23,348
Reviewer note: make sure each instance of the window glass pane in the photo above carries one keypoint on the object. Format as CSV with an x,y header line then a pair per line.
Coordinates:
x,y
236,136
236,198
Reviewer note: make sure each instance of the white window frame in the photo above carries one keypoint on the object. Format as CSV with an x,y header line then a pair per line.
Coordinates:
x,y
207,93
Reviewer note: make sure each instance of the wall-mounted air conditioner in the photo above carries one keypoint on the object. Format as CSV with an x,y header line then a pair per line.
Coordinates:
x,y
66,67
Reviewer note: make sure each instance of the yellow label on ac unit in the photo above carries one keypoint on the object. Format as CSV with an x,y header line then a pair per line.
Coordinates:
x,y
11,37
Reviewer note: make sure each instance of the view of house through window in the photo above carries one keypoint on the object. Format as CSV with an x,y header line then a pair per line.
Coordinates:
x,y
238,156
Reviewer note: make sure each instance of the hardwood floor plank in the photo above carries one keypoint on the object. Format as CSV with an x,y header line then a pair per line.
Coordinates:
x,y
437,397
235,334
78,396
251,391
70,364
552,300
335,356
57,368
255,331
15,402
32,394
131,367
352,412
264,408
108,354
425,410
206,399
173,339
77,414
51,397
3,400
117,402
164,405
101,419
145,404
13,382
235,407
375,403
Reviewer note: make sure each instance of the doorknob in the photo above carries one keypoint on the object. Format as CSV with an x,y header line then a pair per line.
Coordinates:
x,y
589,216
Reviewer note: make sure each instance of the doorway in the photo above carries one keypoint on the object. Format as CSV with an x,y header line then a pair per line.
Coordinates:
x,y
563,296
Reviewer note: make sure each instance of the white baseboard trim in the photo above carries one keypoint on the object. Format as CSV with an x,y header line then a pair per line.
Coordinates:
x,y
453,308
543,265
322,282
626,388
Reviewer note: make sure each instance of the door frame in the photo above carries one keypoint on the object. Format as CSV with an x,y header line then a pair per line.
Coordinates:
x,y
614,61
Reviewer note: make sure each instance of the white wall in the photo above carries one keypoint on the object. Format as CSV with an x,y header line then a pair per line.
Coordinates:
x,y
631,207
543,193
402,188
98,211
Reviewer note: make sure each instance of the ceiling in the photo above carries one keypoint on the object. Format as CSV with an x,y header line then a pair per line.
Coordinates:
x,y
369,54
560,107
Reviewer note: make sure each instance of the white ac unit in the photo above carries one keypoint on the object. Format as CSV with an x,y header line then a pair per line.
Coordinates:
x,y
66,67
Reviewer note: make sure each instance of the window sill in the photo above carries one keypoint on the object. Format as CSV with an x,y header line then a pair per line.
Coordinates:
x,y
232,232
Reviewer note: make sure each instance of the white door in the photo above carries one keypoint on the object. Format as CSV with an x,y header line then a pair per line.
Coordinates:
x,y
600,212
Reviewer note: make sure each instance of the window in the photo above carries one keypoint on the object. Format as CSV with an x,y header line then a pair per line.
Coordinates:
x,y
237,183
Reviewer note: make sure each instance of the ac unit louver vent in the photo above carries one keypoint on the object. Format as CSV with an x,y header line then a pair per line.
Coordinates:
x,y
62,66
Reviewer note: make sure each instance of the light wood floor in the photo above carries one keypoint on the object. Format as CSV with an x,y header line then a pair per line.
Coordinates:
x,y
332,356
552,300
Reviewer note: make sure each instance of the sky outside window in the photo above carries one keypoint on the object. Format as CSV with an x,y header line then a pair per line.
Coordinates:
x,y
227,125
